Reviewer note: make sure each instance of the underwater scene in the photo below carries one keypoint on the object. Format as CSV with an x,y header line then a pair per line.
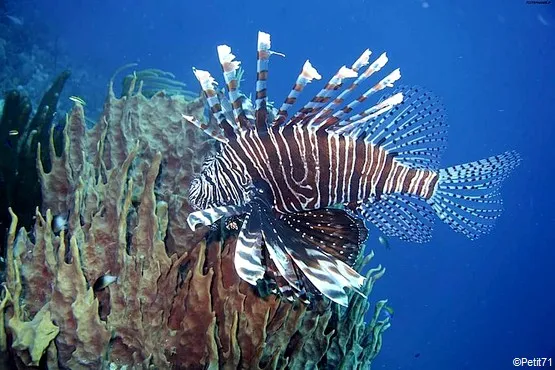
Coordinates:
x,y
277,185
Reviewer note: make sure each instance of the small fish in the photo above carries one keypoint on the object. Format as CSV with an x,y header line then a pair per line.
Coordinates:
x,y
286,170
103,281
77,100
387,312
13,133
543,20
383,241
15,20
59,223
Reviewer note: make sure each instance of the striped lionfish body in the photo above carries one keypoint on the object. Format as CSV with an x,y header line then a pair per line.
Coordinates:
x,y
305,182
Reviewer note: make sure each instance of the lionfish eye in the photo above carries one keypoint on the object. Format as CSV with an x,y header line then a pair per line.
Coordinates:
x,y
208,160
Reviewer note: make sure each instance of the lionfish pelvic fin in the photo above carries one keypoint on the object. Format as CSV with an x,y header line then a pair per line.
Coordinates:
x,y
248,260
209,216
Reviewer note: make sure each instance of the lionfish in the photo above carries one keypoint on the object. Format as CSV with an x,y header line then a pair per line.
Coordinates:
x,y
304,183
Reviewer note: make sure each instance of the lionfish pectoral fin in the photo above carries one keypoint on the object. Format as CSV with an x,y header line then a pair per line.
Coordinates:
x,y
281,284
323,272
248,259
290,280
208,216
327,275
467,196
279,256
332,230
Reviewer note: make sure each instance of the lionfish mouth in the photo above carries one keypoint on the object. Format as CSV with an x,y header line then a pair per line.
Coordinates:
x,y
307,253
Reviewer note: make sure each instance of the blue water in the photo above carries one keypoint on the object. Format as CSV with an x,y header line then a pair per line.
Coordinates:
x,y
458,304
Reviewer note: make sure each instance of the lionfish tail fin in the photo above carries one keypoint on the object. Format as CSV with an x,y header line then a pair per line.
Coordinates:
x,y
467,195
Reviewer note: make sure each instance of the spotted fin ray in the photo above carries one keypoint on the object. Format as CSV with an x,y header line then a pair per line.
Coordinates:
x,y
315,265
333,231
328,275
397,215
467,195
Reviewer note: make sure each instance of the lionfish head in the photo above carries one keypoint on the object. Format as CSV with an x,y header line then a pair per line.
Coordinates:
x,y
217,184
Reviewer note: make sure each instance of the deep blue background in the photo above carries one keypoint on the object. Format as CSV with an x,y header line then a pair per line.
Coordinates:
x,y
458,304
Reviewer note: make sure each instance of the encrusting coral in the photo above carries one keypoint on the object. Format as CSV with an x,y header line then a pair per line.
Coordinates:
x,y
172,298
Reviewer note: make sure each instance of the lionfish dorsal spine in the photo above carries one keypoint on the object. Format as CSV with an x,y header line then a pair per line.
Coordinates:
x,y
316,103
308,73
230,67
208,86
356,125
380,107
262,63
214,132
362,61
326,94
373,68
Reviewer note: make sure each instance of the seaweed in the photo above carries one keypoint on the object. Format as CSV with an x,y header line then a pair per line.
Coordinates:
x,y
22,136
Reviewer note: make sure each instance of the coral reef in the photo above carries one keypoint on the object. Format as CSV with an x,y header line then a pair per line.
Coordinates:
x,y
172,298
